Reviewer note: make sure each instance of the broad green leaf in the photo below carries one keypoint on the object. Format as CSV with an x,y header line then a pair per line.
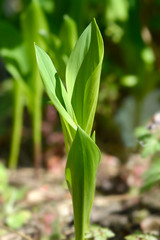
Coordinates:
x,y
83,75
81,169
54,87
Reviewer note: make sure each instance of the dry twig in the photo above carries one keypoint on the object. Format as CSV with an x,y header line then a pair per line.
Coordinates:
x,y
16,232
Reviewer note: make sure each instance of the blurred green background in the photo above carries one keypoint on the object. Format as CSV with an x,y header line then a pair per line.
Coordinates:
x,y
130,88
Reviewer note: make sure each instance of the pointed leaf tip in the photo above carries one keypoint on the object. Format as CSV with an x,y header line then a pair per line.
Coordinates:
x,y
54,86
83,75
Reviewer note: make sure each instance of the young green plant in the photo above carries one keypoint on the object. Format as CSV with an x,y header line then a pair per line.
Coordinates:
x,y
32,20
15,58
76,104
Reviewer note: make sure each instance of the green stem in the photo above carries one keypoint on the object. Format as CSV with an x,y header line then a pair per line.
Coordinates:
x,y
17,125
37,121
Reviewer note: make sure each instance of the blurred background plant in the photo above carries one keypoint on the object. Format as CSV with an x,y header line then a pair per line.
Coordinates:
x,y
149,138
129,91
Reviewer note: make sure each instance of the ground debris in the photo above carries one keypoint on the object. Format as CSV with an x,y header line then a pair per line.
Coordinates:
x,y
28,232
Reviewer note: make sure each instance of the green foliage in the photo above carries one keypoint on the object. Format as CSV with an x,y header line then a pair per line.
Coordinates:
x,y
152,175
32,20
56,231
20,62
14,53
141,236
129,80
15,57
99,233
142,133
130,61
76,105
18,219
151,148
150,142
117,10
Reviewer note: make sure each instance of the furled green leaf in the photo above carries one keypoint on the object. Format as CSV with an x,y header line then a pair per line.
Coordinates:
x,y
13,52
47,5
81,169
52,41
68,34
83,75
32,20
54,86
